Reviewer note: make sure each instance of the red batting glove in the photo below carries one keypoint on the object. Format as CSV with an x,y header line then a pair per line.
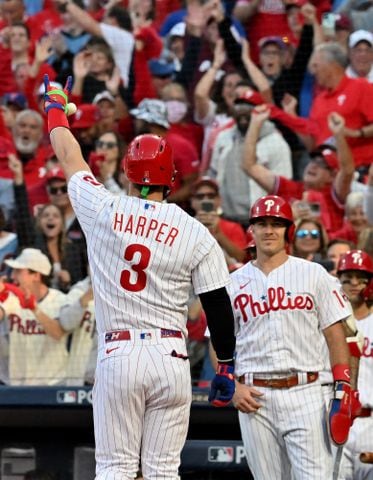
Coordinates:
x,y
355,405
339,413
56,104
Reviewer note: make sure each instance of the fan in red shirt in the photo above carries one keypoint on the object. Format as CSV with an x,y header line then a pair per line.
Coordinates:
x,y
351,98
27,146
326,179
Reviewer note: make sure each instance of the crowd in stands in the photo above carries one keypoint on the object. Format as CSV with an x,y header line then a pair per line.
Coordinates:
x,y
254,96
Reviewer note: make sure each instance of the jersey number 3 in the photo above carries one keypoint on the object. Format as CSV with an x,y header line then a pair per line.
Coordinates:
x,y
137,270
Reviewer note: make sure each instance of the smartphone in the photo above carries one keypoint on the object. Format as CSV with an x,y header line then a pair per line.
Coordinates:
x,y
207,206
328,24
94,160
315,209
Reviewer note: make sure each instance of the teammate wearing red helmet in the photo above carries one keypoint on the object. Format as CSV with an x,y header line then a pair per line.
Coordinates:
x,y
355,272
281,304
144,256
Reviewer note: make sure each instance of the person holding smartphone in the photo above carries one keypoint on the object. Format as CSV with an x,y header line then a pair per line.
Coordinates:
x,y
206,203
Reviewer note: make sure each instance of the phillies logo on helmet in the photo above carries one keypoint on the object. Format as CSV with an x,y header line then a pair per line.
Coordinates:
x,y
269,204
357,258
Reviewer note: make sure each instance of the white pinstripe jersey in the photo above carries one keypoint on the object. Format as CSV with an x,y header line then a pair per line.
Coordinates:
x,y
82,325
36,358
365,380
278,317
143,257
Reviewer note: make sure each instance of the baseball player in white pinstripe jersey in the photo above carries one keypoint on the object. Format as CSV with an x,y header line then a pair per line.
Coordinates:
x,y
355,271
144,255
280,304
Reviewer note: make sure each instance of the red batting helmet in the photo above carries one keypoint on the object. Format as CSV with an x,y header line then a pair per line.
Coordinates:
x,y
149,161
274,206
355,260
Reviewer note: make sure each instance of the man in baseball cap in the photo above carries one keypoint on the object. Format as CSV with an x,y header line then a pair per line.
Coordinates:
x,y
31,259
150,111
37,342
360,55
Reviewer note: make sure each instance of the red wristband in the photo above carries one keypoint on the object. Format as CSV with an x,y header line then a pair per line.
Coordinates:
x,y
57,118
341,372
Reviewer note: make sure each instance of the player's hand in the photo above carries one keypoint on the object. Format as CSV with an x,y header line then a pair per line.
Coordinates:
x,y
222,386
336,123
260,114
56,98
339,413
245,398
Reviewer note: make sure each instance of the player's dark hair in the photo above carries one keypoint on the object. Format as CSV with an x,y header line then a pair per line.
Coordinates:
x,y
24,26
343,241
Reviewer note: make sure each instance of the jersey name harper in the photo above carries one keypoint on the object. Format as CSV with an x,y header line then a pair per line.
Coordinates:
x,y
275,299
144,227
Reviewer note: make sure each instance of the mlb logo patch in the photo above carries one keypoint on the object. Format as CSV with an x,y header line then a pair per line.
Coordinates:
x,y
66,396
149,206
145,336
221,454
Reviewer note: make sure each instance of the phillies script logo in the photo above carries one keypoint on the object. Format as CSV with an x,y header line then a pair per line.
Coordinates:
x,y
26,327
276,299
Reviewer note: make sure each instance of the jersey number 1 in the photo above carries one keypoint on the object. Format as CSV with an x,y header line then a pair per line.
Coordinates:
x,y
137,268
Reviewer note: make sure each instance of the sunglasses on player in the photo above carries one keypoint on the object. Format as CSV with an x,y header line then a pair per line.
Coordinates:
x,y
303,233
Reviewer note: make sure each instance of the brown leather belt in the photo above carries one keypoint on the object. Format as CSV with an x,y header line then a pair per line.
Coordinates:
x,y
365,412
285,382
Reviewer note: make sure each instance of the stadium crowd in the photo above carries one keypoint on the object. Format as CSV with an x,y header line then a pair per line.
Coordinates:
x,y
254,97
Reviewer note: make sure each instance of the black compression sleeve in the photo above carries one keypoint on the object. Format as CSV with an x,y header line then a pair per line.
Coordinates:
x,y
220,321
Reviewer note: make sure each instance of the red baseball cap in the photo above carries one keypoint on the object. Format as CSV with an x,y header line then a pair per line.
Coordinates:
x,y
55,173
328,154
86,116
251,97
206,181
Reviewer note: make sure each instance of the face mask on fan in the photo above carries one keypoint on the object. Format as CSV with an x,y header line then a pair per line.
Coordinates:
x,y
176,110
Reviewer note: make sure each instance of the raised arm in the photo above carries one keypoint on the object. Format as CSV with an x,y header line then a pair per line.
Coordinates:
x,y
345,174
203,88
64,144
262,175
83,18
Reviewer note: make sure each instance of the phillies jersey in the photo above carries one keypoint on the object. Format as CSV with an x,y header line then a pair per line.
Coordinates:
x,y
36,358
365,380
81,323
143,256
278,317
